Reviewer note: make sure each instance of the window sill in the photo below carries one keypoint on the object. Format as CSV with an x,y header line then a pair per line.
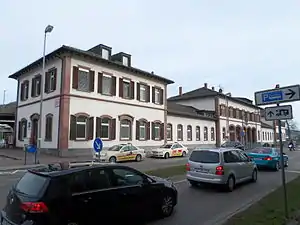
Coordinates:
x,y
197,139
48,140
157,139
105,94
142,139
50,91
125,139
128,98
80,139
80,91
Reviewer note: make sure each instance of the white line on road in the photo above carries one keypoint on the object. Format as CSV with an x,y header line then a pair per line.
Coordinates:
x,y
293,171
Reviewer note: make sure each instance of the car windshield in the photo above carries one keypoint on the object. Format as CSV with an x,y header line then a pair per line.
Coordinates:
x,y
166,146
115,148
205,157
261,150
31,184
229,144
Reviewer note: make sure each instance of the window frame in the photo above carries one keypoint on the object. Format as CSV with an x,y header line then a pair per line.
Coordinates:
x,y
198,134
212,134
124,84
143,92
189,132
79,123
129,128
103,85
179,131
142,124
104,55
88,79
48,134
157,127
108,125
169,131
157,96
205,133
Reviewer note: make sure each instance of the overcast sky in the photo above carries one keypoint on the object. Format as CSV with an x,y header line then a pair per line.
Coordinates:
x,y
243,46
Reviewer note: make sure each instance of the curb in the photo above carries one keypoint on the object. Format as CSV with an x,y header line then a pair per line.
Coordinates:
x,y
9,157
21,167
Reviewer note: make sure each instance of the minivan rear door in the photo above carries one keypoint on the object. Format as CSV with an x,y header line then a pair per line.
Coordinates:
x,y
203,163
29,189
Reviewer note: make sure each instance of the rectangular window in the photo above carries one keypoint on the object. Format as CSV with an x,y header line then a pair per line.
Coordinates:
x,y
157,96
81,128
125,130
52,81
125,61
197,133
48,133
104,128
189,133
143,96
169,133
106,85
83,80
142,130
105,54
126,89
157,131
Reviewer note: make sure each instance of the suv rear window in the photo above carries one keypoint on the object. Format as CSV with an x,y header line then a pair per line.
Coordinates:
x,y
205,157
31,184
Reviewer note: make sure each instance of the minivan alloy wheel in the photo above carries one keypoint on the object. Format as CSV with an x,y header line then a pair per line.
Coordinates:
x,y
167,205
254,176
230,183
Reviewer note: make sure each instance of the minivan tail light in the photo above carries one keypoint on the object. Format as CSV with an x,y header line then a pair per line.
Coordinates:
x,y
219,170
34,207
187,167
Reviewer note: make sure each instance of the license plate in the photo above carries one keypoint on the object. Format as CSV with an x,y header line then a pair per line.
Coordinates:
x,y
201,170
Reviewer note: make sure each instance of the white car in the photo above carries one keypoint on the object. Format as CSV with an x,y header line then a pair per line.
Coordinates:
x,y
170,150
121,153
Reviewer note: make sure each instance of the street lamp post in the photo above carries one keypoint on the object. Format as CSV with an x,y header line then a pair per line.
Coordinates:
x,y
48,29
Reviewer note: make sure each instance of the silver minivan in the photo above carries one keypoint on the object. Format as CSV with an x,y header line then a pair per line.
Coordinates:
x,y
222,166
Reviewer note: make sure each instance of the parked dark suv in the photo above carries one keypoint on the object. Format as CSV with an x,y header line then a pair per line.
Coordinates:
x,y
233,144
88,195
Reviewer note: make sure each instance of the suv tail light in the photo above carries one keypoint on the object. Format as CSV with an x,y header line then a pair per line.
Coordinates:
x,y
219,170
267,158
34,207
187,167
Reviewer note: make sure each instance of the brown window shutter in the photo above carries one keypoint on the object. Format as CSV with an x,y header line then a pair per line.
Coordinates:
x,y
132,89
138,90
137,130
121,87
46,87
148,93
148,131
27,92
75,77
22,92
90,128
112,129
161,94
92,80
153,94
153,131
19,131
55,79
33,91
98,127
72,127
162,131
113,86
38,91
100,76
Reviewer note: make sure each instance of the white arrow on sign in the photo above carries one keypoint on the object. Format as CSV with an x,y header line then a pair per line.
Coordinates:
x,y
98,145
284,112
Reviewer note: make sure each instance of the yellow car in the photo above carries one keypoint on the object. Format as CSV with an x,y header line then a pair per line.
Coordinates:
x,y
121,153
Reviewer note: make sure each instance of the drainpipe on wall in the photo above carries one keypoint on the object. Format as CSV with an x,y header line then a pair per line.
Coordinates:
x,y
165,114
59,152
217,123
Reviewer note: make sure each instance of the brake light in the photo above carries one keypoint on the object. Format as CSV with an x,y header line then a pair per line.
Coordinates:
x,y
267,158
187,167
219,170
34,207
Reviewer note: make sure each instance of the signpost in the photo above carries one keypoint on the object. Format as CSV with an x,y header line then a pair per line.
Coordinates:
x,y
284,112
277,96
98,146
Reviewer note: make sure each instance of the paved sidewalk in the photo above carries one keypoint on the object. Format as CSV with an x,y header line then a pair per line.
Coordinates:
x,y
15,159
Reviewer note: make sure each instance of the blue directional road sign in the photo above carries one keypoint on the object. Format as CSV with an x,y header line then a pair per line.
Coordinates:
x,y
31,148
279,95
98,145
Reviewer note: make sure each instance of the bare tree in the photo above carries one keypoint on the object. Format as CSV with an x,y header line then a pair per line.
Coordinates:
x,y
292,124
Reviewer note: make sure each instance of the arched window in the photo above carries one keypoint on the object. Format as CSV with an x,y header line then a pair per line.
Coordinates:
x,y
198,136
205,134
212,134
224,133
125,129
189,133
22,129
81,127
157,131
142,130
48,128
179,132
106,127
169,132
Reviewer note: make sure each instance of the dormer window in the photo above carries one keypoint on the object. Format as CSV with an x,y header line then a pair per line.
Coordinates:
x,y
125,61
105,54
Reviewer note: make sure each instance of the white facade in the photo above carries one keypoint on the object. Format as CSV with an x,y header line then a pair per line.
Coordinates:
x,y
197,139
31,106
207,103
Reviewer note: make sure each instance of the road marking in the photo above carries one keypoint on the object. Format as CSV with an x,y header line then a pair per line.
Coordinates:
x,y
11,172
179,181
293,171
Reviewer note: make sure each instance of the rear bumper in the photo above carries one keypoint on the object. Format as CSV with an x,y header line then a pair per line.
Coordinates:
x,y
4,220
215,180
265,163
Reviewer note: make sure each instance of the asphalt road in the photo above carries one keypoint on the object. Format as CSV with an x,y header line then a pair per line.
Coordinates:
x,y
203,206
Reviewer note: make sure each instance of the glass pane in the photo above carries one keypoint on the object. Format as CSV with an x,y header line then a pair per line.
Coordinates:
x,y
105,121
157,132
126,90
81,119
142,132
125,132
31,184
205,157
83,81
105,54
80,131
106,85
104,133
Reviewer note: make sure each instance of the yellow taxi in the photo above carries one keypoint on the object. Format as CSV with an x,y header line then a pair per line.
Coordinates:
x,y
170,150
121,153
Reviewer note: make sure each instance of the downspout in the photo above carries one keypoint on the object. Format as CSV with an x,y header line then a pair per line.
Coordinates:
x,y
16,114
60,103
165,114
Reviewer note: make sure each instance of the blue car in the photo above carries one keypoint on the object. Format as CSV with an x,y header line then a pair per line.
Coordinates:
x,y
268,157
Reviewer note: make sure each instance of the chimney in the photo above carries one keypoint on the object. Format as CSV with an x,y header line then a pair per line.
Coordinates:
x,y
213,88
180,90
205,85
220,90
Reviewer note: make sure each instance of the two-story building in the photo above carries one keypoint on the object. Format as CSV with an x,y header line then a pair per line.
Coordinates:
x,y
88,94
237,119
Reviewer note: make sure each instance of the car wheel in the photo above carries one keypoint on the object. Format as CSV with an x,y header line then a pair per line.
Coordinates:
x,y
230,184
183,154
167,206
112,159
167,155
277,166
193,183
254,176
138,158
